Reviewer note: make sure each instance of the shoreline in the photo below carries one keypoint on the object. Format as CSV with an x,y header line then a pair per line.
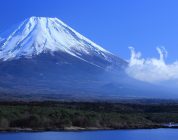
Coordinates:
x,y
77,129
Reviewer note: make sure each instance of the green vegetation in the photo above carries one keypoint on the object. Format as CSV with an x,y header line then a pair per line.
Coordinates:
x,y
62,115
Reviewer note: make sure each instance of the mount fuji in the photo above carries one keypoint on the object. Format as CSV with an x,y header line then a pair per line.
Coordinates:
x,y
40,35
43,58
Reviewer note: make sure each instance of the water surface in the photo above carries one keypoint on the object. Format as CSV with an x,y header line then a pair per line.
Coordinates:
x,y
145,134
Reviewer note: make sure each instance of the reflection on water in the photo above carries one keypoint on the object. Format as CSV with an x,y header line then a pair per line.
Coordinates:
x,y
147,134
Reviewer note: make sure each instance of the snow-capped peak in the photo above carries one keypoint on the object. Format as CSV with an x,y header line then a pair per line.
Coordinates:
x,y
38,35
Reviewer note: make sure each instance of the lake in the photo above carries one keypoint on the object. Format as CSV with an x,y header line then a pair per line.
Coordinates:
x,y
145,134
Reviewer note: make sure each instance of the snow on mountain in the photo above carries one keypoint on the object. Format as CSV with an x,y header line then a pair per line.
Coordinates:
x,y
38,35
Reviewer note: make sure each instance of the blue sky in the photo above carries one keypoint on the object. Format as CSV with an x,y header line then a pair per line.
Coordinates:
x,y
113,24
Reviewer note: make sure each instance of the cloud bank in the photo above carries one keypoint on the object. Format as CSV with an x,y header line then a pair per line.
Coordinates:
x,y
153,70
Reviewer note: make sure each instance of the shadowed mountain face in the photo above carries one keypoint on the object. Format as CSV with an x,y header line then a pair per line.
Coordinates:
x,y
46,59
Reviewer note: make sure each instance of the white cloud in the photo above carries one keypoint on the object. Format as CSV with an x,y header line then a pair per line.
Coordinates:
x,y
153,70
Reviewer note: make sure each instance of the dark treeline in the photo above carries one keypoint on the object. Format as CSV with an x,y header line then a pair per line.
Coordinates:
x,y
62,115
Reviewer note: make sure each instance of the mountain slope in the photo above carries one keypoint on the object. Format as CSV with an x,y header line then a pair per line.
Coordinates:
x,y
46,56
